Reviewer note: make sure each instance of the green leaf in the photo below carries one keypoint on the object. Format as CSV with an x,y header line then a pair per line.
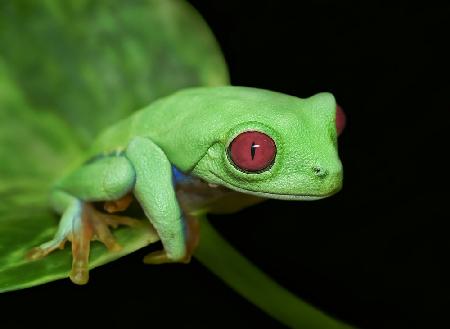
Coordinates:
x,y
26,229
94,62
34,147
67,70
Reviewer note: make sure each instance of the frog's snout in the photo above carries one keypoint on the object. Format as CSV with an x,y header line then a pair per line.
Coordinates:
x,y
329,178
319,171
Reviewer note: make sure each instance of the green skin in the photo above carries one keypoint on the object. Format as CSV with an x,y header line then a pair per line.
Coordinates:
x,y
192,130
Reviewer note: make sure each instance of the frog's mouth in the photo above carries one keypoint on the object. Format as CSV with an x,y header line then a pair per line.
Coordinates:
x,y
271,195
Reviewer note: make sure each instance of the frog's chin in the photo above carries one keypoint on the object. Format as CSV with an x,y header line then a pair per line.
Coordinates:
x,y
270,195
279,196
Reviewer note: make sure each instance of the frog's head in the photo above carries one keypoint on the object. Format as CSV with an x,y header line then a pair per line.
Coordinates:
x,y
282,148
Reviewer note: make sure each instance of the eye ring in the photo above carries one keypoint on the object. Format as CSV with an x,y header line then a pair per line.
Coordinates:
x,y
252,152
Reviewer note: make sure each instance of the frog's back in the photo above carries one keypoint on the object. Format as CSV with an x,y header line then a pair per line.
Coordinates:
x,y
116,137
151,121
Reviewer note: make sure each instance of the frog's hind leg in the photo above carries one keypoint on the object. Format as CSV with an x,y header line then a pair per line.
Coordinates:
x,y
108,179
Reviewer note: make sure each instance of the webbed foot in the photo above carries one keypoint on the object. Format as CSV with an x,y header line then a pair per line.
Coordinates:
x,y
81,223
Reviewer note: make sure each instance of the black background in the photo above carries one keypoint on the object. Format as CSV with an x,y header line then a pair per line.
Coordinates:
x,y
372,255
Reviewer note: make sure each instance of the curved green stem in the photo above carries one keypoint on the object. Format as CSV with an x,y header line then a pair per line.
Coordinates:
x,y
248,280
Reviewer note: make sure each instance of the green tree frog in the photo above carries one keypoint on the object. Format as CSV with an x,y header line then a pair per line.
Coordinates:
x,y
205,149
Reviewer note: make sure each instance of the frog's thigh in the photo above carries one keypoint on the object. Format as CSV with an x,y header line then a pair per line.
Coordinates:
x,y
105,179
154,190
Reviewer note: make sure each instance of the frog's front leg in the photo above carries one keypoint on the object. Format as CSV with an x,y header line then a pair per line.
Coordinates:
x,y
191,238
106,179
154,191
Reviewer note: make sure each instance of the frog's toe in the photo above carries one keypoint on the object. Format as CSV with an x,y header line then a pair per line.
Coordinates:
x,y
82,234
161,257
64,232
45,249
118,205
79,275
102,232
102,222
93,225
192,234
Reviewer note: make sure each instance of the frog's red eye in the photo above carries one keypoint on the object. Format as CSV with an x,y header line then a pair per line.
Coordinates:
x,y
340,119
252,151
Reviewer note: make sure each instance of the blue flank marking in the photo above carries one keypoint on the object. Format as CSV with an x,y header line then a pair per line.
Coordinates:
x,y
178,176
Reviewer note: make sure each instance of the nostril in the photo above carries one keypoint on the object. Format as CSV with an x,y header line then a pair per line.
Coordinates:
x,y
319,171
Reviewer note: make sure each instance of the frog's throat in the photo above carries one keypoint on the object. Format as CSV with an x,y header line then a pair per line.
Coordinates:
x,y
268,195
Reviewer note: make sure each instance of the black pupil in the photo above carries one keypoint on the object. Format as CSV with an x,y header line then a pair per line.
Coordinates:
x,y
253,150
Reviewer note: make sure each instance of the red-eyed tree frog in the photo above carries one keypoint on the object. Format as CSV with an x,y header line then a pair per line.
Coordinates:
x,y
205,149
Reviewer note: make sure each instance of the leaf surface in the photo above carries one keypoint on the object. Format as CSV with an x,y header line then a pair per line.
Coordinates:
x,y
70,69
